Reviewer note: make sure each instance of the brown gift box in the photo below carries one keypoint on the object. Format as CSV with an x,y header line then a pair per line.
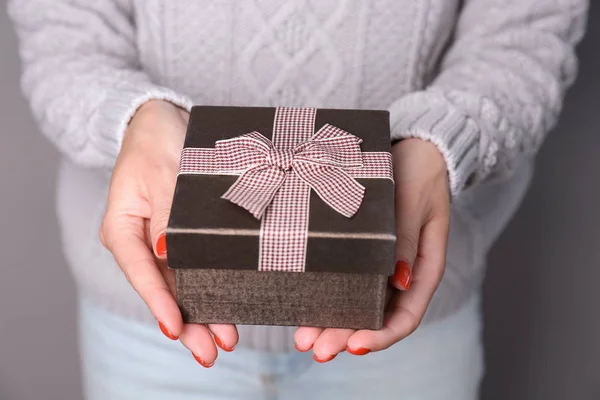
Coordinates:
x,y
347,260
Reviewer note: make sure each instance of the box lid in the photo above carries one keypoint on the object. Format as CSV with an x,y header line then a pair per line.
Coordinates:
x,y
208,232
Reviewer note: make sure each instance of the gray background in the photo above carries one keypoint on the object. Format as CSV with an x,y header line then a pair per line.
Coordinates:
x,y
542,327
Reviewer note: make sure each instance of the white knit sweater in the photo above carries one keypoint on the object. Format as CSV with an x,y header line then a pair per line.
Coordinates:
x,y
483,82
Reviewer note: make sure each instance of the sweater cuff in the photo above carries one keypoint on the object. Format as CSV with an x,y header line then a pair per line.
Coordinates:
x,y
427,116
120,106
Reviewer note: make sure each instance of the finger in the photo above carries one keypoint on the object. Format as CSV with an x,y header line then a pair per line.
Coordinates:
x,y
331,342
161,198
168,276
198,340
306,336
408,226
226,335
409,220
406,310
124,236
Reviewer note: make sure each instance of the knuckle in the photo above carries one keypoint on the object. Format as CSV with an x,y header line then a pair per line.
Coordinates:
x,y
108,228
434,279
159,220
102,236
438,273
412,322
101,229
407,242
133,269
159,293
127,276
105,233
408,198
440,211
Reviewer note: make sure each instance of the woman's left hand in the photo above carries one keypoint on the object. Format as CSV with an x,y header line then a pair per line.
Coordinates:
x,y
422,218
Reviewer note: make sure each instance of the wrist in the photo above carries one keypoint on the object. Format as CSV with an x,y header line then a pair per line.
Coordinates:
x,y
151,107
427,152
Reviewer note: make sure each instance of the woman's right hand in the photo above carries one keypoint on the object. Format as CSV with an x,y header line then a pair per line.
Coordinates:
x,y
133,229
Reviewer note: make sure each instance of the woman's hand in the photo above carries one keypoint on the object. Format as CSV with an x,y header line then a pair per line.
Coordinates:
x,y
139,203
422,219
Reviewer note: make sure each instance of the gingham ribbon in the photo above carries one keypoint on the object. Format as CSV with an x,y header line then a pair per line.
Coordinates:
x,y
276,177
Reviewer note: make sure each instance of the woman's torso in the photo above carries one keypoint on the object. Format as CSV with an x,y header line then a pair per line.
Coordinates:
x,y
320,53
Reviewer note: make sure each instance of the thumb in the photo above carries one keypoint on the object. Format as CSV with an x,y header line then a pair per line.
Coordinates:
x,y
408,227
161,199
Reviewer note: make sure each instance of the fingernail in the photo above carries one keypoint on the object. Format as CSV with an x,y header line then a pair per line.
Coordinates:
x,y
201,361
222,346
161,245
166,331
324,360
302,350
361,351
402,275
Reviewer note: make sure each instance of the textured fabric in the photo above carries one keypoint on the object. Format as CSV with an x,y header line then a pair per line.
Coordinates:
x,y
325,299
123,359
484,83
280,174
498,90
500,86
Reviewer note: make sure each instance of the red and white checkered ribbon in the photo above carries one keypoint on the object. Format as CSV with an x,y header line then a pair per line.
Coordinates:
x,y
276,177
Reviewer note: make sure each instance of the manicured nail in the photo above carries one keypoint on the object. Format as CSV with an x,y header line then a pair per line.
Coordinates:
x,y
361,351
302,350
402,275
324,360
161,245
201,361
222,346
166,331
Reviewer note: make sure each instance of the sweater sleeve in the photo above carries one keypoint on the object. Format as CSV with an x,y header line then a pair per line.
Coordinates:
x,y
499,88
82,74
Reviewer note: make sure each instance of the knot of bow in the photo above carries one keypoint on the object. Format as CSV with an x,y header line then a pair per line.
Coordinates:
x,y
320,162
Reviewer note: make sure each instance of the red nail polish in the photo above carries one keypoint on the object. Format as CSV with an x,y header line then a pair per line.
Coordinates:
x,y
161,245
402,275
222,346
166,332
323,360
361,351
302,350
201,361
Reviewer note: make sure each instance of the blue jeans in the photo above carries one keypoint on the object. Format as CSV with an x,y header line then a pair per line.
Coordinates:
x,y
124,359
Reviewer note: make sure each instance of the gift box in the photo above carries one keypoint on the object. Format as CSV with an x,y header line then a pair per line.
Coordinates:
x,y
284,216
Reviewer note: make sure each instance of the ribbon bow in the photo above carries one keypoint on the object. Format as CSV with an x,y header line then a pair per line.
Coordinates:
x,y
319,161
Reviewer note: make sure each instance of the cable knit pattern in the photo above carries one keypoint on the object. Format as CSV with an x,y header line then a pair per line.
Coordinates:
x,y
483,82
500,87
